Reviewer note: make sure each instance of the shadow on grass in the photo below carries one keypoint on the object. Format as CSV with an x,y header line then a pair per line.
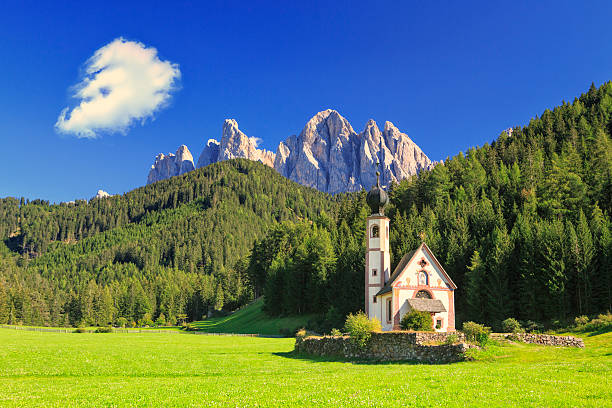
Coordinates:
x,y
328,359
601,331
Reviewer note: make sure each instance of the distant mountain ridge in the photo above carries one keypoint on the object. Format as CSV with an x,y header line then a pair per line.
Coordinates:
x,y
327,155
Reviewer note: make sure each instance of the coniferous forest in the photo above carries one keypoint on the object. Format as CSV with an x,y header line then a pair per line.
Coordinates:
x,y
522,225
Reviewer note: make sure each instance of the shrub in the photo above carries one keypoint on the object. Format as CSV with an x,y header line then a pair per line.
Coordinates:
x,y
603,322
80,330
476,333
336,332
301,333
533,327
122,322
104,330
451,339
360,328
146,321
511,325
581,321
417,321
161,320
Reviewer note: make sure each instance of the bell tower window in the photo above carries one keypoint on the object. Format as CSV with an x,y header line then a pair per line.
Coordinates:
x,y
375,231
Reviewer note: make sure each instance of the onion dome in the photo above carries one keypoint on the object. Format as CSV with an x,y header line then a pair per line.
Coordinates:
x,y
377,197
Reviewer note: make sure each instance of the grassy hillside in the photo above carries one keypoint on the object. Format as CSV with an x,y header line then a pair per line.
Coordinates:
x,y
181,370
173,247
252,319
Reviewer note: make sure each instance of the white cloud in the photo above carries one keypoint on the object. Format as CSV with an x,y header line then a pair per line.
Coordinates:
x,y
255,140
124,82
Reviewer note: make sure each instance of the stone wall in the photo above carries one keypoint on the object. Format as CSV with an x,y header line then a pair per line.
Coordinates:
x,y
387,346
542,339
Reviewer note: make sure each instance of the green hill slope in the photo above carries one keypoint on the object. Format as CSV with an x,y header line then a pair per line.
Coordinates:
x,y
252,319
172,247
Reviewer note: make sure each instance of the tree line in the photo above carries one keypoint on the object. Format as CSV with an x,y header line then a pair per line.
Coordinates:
x,y
522,225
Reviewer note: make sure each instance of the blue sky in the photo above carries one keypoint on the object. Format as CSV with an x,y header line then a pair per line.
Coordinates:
x,y
450,74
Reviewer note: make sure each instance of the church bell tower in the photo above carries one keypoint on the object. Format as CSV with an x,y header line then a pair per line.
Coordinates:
x,y
377,260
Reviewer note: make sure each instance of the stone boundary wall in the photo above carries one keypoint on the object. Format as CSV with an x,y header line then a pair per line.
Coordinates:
x,y
387,346
542,339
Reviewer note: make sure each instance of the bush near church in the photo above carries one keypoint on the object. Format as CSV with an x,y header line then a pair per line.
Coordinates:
x,y
417,320
511,325
476,333
360,328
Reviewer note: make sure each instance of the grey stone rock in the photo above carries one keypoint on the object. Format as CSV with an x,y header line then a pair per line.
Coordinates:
x,y
210,153
330,156
166,166
327,154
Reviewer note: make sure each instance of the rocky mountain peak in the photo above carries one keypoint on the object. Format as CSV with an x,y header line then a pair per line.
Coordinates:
x,y
166,166
328,154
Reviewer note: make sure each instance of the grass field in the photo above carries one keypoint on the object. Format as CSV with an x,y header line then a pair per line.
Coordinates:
x,y
159,369
251,319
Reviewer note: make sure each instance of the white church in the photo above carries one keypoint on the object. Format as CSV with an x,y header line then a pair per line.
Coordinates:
x,y
418,282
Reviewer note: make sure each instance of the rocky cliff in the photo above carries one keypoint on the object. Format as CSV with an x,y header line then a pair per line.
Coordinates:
x,y
234,144
328,154
166,166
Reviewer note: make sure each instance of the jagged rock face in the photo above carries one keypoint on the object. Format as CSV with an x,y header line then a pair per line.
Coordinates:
x,y
171,165
210,153
327,155
234,144
330,156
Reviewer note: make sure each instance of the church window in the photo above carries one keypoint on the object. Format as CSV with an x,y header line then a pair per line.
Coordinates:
x,y
373,299
374,272
375,231
389,310
423,278
423,294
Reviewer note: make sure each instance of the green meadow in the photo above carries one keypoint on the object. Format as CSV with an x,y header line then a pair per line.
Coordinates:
x,y
188,370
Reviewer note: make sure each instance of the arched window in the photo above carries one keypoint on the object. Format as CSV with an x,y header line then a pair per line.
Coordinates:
x,y
423,294
423,278
375,231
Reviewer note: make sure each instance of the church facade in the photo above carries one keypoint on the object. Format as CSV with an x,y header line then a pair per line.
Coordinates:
x,y
418,282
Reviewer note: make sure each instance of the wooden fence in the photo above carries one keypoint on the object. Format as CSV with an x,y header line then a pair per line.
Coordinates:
x,y
121,330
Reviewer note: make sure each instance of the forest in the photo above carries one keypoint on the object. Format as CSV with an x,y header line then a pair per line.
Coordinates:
x,y
522,225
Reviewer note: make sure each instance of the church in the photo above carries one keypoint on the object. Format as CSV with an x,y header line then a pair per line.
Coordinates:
x,y
418,282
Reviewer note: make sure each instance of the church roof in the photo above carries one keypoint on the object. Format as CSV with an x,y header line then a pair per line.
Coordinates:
x,y
405,261
426,305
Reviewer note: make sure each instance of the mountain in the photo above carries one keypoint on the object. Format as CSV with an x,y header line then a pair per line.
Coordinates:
x,y
234,145
327,155
522,225
166,166
330,156
170,247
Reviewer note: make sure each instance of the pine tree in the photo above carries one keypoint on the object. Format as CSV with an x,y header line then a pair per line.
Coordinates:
x,y
474,288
